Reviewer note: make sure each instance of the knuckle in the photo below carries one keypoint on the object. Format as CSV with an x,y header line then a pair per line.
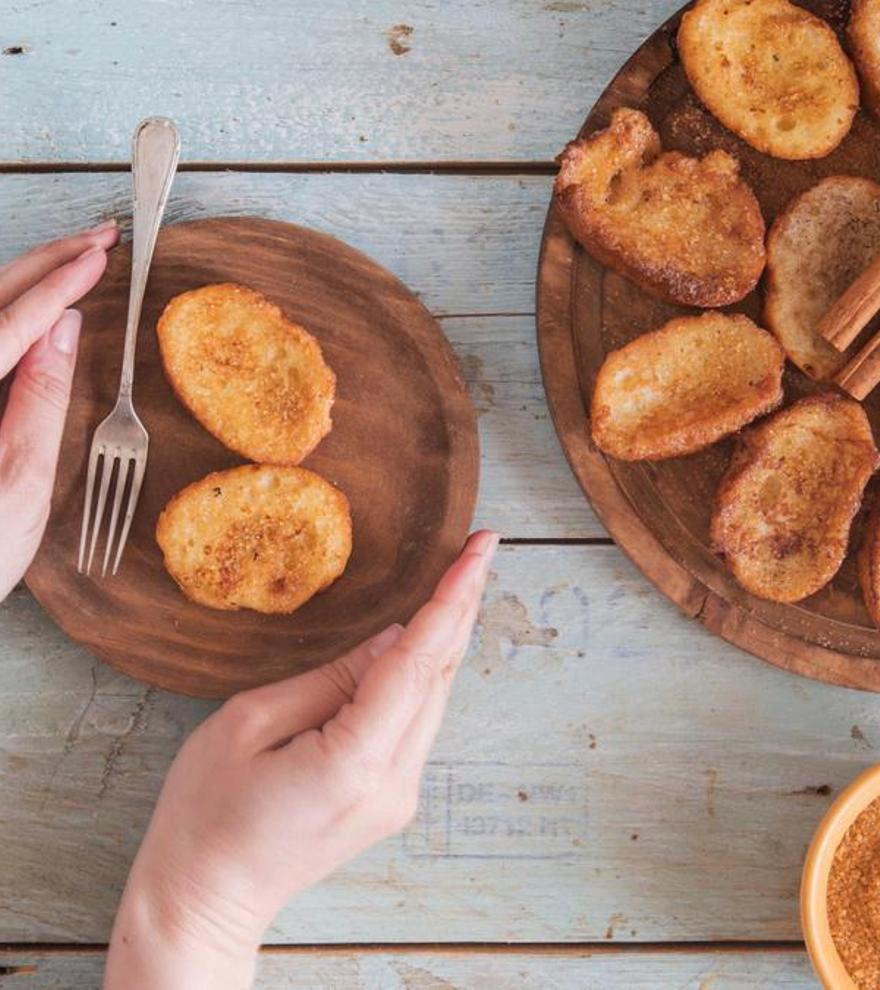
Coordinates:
x,y
54,283
339,737
27,479
340,677
243,715
46,386
423,668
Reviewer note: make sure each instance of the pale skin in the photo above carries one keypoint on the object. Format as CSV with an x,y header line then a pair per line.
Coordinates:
x,y
282,784
39,334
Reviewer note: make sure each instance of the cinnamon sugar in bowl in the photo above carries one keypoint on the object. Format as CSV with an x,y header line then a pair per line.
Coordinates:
x,y
840,889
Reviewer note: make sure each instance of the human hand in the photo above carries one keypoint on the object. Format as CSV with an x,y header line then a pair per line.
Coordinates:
x,y
38,337
282,785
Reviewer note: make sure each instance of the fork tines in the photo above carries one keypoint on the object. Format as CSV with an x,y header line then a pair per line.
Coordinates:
x,y
109,462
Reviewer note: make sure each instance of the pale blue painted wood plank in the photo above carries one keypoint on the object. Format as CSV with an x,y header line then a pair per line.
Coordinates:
x,y
316,80
404,970
464,244
585,691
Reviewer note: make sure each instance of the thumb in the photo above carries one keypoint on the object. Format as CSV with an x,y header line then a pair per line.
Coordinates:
x,y
30,437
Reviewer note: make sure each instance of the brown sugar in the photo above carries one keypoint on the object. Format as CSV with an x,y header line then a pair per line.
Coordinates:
x,y
854,899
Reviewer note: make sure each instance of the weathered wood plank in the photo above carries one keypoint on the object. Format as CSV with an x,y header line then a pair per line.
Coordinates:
x,y
526,488
466,244
608,770
319,80
422,970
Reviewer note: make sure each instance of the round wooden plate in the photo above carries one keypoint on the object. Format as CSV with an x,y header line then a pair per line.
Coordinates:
x,y
404,450
659,513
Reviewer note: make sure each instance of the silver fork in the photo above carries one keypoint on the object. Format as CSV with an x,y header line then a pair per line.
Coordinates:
x,y
120,441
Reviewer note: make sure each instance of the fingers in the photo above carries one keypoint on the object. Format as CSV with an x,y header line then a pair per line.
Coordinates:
x,y
30,436
465,631
30,316
478,553
418,740
398,684
281,710
274,713
24,272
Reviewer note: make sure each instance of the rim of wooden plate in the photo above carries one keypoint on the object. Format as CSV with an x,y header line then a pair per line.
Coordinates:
x,y
555,289
51,576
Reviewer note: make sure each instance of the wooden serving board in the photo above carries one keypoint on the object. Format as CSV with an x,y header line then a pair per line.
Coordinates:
x,y
659,512
404,449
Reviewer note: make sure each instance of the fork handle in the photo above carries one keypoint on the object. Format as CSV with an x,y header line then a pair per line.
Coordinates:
x,y
155,150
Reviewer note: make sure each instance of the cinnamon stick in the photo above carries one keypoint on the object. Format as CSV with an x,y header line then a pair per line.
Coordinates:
x,y
862,373
852,312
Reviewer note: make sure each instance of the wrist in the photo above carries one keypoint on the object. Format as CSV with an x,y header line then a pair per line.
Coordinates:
x,y
165,935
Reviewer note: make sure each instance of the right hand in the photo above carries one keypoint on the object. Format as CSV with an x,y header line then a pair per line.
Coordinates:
x,y
282,785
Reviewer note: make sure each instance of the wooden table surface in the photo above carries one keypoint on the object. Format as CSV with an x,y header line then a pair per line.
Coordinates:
x,y
617,799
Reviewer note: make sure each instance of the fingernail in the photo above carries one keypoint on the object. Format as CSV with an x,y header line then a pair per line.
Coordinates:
x,y
64,335
486,543
101,227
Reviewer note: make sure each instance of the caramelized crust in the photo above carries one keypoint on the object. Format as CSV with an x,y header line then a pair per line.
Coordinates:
x,y
785,506
689,231
772,72
255,380
684,386
256,536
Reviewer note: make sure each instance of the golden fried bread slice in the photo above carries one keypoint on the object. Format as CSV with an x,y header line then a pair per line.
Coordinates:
x,y
689,231
250,376
868,562
816,249
784,508
864,36
772,72
684,386
258,536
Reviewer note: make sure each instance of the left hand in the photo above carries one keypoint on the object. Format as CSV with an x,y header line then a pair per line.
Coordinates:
x,y
38,337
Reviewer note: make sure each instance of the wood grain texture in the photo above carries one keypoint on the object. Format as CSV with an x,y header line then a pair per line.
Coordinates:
x,y
463,244
526,489
403,449
740,754
521,835
660,512
345,969
319,80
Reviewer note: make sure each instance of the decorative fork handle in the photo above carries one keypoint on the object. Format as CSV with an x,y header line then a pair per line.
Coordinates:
x,y
155,150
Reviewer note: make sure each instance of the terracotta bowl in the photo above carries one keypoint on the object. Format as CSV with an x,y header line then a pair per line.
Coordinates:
x,y
814,882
